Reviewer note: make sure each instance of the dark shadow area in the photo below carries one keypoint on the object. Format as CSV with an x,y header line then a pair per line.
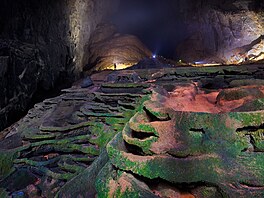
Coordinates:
x,y
35,55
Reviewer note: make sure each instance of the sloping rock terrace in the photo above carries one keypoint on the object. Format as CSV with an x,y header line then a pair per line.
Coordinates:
x,y
173,132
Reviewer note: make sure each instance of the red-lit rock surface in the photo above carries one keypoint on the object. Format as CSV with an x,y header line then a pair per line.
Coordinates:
x,y
188,97
192,135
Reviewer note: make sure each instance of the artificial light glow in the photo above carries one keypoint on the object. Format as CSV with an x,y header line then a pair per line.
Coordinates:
x,y
204,64
119,66
154,56
199,62
210,64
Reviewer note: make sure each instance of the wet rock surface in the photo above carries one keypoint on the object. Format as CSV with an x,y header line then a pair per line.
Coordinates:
x,y
170,132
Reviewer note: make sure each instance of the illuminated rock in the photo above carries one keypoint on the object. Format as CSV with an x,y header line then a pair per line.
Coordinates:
x,y
63,138
212,154
251,52
216,29
110,50
176,127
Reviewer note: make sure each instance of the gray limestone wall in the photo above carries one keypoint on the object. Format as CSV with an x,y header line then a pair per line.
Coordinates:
x,y
43,45
217,28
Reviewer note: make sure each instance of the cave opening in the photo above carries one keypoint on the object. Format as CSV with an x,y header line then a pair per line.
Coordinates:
x,y
200,33
158,24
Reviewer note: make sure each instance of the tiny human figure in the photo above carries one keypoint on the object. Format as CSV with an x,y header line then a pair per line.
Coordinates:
x,y
114,66
246,59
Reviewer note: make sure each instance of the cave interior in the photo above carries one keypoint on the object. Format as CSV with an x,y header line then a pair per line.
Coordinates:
x,y
132,98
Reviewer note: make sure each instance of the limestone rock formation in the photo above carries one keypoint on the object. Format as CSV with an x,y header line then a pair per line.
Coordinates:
x,y
43,46
215,155
248,53
216,29
20,65
173,132
186,143
61,141
108,47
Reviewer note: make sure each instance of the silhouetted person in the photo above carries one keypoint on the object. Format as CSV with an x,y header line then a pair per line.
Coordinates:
x,y
114,66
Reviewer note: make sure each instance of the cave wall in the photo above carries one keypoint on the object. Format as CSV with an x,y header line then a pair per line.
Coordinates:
x,y
43,45
221,29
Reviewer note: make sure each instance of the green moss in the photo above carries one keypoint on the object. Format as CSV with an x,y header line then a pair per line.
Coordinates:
x,y
248,118
102,181
40,137
71,168
6,163
208,192
158,114
84,183
3,193
173,170
60,176
103,138
119,184
145,144
251,169
212,137
66,128
212,148
256,105
35,163
147,128
139,122
105,132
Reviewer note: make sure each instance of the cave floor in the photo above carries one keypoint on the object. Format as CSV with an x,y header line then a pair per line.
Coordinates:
x,y
171,132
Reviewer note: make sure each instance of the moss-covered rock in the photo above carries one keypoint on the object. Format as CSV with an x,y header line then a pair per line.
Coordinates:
x,y
156,148
119,184
6,163
221,150
3,193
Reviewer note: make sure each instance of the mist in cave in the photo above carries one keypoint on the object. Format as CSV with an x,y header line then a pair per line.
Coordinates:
x,y
157,23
